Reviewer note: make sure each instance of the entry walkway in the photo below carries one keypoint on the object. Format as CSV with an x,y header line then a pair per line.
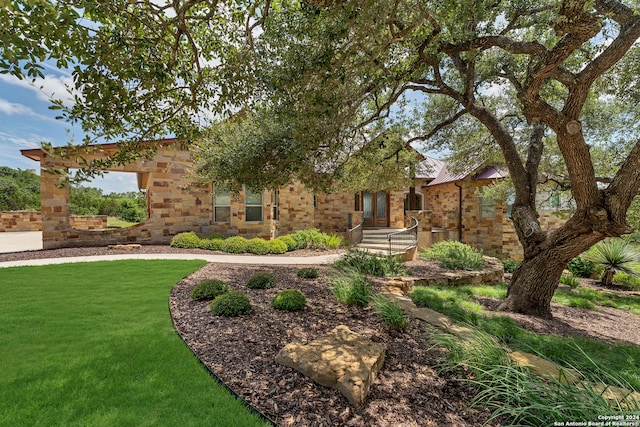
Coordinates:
x,y
230,259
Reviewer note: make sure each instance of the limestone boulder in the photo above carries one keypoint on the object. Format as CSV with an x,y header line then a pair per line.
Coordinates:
x,y
341,359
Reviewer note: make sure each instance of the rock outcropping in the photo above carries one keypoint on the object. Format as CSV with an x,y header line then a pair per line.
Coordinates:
x,y
341,359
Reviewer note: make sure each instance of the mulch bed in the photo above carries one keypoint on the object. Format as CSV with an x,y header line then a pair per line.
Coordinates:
x,y
241,352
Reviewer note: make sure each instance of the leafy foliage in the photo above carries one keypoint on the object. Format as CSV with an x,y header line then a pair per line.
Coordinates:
x,y
581,267
258,246
510,265
290,299
307,273
231,304
261,281
19,190
129,206
209,290
351,289
454,255
185,240
235,245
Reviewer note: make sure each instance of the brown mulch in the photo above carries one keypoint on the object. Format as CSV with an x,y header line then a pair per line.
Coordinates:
x,y
408,392
241,351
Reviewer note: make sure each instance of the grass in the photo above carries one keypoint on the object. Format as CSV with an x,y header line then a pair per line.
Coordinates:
x,y
93,344
113,221
581,353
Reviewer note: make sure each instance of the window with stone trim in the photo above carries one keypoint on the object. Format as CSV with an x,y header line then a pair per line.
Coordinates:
x,y
253,206
222,206
487,206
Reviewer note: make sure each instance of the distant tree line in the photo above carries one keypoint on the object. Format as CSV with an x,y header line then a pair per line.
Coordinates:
x,y
20,190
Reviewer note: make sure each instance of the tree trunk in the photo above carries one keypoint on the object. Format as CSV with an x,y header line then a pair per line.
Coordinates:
x,y
607,277
533,285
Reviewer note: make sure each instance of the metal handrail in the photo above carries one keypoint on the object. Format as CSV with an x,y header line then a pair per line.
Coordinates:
x,y
404,239
356,234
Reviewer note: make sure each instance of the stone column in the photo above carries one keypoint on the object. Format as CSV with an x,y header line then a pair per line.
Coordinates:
x,y
55,205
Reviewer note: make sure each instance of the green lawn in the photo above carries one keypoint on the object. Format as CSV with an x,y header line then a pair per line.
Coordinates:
x,y
93,345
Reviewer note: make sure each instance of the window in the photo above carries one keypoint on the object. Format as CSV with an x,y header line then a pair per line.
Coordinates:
x,y
222,206
417,201
487,206
253,206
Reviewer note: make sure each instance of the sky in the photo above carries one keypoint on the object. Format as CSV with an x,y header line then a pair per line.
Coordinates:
x,y
26,121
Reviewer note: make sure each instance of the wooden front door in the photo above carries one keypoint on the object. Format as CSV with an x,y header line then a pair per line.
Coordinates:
x,y
375,207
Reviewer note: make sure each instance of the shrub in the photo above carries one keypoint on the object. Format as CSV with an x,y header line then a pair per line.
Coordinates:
x,y
390,312
307,273
581,267
366,262
209,289
291,299
292,245
277,246
261,281
454,255
616,256
257,246
231,304
334,241
351,289
234,245
185,240
627,281
510,265
211,244
300,238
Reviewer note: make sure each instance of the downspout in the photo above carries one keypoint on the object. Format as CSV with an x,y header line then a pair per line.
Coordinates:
x,y
459,211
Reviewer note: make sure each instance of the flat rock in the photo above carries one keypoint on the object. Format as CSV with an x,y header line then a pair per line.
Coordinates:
x,y
130,247
341,359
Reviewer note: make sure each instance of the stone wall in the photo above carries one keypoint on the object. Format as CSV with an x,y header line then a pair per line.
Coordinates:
x,y
88,222
20,221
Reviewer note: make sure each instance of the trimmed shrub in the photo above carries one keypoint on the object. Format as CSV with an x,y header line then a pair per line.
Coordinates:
x,y
291,299
185,240
334,241
261,281
292,245
351,289
209,289
234,245
307,273
211,244
277,246
581,267
300,238
257,246
231,304
454,255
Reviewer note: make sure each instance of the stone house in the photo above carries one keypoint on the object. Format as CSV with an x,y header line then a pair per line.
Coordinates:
x,y
449,205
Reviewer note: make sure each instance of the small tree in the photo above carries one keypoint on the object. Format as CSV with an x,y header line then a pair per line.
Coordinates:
x,y
616,256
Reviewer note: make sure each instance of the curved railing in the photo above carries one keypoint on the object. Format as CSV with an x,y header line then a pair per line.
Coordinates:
x,y
356,234
402,240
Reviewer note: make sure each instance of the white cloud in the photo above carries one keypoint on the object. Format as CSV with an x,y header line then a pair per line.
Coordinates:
x,y
47,88
11,108
27,141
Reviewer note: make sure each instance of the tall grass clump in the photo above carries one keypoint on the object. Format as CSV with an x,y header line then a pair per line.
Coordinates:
x,y
515,395
365,262
454,255
351,289
390,312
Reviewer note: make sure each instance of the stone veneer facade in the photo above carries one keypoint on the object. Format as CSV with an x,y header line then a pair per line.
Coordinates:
x,y
177,204
20,221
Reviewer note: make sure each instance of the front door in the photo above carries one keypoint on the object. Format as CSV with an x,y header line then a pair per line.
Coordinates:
x,y
375,207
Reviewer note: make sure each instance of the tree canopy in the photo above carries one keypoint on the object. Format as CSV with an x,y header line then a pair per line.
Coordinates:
x,y
548,87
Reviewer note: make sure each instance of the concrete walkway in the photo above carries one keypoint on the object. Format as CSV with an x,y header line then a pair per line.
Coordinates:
x,y
230,259
19,241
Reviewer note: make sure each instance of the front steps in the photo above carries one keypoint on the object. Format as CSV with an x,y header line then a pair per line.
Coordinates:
x,y
375,240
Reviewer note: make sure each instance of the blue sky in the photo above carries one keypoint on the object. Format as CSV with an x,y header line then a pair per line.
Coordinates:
x,y
26,121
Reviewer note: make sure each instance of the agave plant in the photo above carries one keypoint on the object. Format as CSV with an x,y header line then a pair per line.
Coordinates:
x,y
615,255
